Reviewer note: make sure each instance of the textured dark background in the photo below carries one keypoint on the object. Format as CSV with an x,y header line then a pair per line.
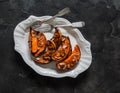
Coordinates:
x,y
102,18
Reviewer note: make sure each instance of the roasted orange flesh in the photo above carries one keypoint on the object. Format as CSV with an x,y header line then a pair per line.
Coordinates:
x,y
58,49
37,42
41,43
51,46
57,37
71,61
63,51
33,40
46,57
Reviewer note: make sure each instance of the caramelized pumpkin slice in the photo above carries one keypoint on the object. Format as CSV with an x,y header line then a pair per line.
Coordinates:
x,y
41,43
46,57
57,38
33,40
71,61
63,51
52,45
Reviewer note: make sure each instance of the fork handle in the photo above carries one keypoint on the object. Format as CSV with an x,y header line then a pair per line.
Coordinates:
x,y
74,24
78,24
60,13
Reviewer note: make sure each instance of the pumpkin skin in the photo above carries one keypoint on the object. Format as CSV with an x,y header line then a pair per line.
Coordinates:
x,y
64,51
71,61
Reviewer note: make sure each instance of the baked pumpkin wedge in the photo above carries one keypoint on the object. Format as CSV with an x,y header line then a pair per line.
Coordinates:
x,y
64,51
46,57
37,42
51,46
33,40
57,37
71,61
41,43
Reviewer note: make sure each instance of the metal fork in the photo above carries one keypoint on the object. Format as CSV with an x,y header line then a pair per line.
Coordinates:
x,y
60,13
49,27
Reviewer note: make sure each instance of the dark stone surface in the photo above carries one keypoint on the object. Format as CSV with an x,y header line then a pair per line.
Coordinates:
x,y
102,18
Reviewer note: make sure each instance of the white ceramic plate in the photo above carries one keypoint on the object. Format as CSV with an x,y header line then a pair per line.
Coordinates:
x,y
21,34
